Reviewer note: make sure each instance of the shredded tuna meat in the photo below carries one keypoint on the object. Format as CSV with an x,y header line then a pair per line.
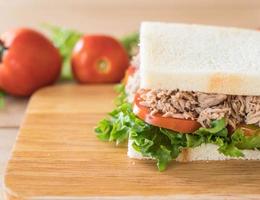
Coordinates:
x,y
171,103
203,107
252,110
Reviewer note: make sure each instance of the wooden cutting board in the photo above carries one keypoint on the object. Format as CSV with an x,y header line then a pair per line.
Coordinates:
x,y
57,156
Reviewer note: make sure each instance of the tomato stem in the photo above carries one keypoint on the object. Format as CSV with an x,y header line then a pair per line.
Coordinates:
x,y
103,66
3,48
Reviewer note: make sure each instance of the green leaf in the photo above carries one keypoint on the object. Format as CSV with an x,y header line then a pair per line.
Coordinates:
x,y
216,133
2,99
163,157
178,141
118,126
64,40
230,150
242,141
194,140
103,129
121,97
216,126
130,42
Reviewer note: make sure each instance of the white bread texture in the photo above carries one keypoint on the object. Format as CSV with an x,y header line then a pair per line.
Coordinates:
x,y
200,58
203,152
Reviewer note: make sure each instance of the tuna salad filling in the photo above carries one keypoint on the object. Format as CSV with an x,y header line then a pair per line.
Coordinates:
x,y
202,107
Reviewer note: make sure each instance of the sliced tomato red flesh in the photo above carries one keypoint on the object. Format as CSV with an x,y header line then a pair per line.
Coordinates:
x,y
249,130
175,124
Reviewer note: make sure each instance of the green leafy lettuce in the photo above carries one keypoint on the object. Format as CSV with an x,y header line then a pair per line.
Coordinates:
x,y
165,145
217,134
64,40
246,142
130,42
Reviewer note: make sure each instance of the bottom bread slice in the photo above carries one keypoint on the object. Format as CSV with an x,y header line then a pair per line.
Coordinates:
x,y
202,152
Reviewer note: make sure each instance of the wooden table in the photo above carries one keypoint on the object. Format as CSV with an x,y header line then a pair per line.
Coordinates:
x,y
113,17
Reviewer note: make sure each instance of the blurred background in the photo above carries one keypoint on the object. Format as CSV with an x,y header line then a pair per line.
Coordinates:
x,y
115,17
119,17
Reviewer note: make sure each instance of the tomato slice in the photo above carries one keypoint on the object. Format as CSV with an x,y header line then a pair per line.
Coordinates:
x,y
175,124
129,72
249,129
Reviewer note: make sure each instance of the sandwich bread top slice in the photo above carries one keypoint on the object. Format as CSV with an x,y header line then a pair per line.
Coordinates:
x,y
200,58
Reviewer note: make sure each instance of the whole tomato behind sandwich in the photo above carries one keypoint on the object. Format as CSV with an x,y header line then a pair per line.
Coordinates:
x,y
99,59
29,61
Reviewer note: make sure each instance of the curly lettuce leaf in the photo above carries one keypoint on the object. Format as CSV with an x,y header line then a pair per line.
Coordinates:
x,y
216,134
230,150
242,141
103,129
117,127
161,144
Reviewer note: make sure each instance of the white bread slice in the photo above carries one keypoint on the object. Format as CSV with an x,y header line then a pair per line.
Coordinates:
x,y
203,152
200,58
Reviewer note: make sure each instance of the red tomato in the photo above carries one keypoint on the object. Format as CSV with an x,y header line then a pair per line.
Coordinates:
x,y
29,62
249,129
99,59
179,125
129,72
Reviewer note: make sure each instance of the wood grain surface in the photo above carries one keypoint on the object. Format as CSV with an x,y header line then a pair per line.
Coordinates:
x,y
57,156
